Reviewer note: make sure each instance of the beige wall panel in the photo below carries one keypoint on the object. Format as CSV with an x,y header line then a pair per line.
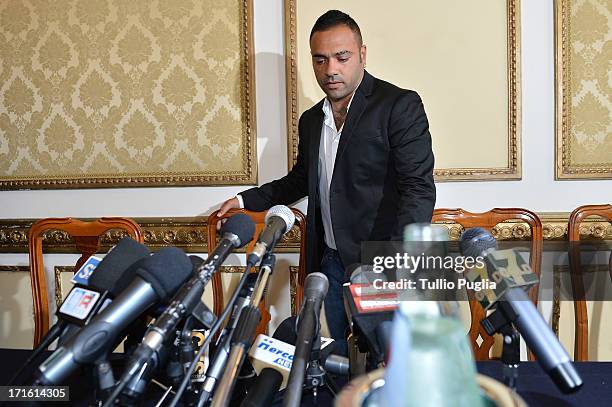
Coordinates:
x,y
16,312
446,51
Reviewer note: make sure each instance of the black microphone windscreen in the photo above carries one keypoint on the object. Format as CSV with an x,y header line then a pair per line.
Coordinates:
x,y
126,278
166,271
285,332
115,270
240,225
315,286
474,241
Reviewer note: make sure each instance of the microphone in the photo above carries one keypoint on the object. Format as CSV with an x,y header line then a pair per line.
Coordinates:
x,y
168,356
370,310
242,338
219,361
95,288
271,358
315,289
158,277
274,352
237,231
277,352
272,231
505,267
332,363
116,269
243,334
96,282
279,220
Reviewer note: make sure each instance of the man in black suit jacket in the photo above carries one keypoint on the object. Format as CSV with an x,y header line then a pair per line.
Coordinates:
x,y
364,161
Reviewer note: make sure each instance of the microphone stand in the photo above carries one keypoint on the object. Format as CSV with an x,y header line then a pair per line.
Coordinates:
x,y
244,333
216,326
219,361
169,364
316,376
501,321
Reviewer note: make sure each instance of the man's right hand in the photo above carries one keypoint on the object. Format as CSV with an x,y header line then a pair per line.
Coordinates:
x,y
231,203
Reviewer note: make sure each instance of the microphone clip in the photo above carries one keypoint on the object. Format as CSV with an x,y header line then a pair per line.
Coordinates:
x,y
204,315
501,321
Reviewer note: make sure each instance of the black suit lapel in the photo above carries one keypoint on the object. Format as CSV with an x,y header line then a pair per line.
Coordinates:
x,y
356,109
314,138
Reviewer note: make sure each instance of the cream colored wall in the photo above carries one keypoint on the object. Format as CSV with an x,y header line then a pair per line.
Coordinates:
x,y
537,190
16,313
456,61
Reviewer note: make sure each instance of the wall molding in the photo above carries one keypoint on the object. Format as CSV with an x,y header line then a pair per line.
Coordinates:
x,y
189,233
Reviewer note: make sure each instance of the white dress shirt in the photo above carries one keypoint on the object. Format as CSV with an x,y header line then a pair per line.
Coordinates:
x,y
328,148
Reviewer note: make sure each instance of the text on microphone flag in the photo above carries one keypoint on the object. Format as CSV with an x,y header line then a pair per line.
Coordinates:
x,y
83,274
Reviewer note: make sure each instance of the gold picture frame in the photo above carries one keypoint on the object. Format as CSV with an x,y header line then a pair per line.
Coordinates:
x,y
583,119
509,166
142,94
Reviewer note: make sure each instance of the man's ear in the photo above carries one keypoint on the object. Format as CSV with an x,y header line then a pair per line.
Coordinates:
x,y
362,54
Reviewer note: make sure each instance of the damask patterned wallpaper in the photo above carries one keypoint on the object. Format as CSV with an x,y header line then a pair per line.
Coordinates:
x,y
591,81
585,36
113,92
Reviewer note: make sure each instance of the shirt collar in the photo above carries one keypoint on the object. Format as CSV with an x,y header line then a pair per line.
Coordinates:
x,y
329,116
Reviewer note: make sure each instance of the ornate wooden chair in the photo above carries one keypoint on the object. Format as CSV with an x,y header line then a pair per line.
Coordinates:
x,y
258,218
488,220
581,322
86,236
